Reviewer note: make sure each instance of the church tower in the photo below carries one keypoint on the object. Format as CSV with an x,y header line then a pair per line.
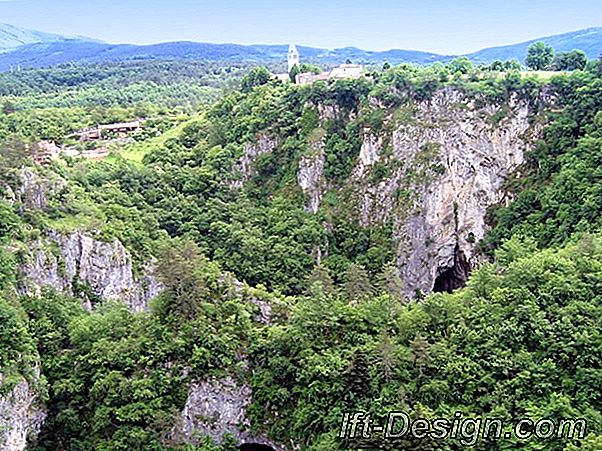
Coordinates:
x,y
293,57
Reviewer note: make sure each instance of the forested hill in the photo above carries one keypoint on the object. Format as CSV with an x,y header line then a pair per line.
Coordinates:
x,y
244,270
588,40
42,50
12,37
55,53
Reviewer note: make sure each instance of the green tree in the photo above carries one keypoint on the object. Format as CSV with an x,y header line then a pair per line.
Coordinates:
x,y
497,66
14,152
293,73
573,60
390,282
256,77
512,65
320,275
539,56
307,68
181,269
357,284
461,65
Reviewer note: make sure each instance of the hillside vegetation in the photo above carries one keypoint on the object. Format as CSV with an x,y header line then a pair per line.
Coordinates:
x,y
522,339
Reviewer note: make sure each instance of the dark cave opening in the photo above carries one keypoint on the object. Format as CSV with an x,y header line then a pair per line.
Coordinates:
x,y
455,277
255,447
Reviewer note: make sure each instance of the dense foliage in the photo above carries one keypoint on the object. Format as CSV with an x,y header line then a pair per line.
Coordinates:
x,y
523,339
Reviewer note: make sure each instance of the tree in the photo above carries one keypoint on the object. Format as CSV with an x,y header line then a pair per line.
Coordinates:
x,y
539,56
460,65
320,275
257,77
14,152
512,65
573,60
390,282
294,72
307,68
180,269
357,283
497,66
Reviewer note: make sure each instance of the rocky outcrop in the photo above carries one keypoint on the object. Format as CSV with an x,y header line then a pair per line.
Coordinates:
x,y
77,264
464,159
35,190
216,408
442,167
310,174
370,153
245,168
21,416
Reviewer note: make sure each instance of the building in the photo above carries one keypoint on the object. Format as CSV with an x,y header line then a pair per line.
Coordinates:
x,y
293,57
122,129
45,151
347,71
344,71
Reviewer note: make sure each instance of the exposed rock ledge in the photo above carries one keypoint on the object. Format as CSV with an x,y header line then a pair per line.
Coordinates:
x,y
62,261
451,159
21,416
444,166
217,408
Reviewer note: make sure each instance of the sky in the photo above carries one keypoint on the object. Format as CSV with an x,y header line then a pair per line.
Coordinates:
x,y
441,26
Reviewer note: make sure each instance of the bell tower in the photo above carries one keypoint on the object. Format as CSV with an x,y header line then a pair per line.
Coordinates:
x,y
293,57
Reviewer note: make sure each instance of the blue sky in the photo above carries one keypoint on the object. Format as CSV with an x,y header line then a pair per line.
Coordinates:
x,y
443,26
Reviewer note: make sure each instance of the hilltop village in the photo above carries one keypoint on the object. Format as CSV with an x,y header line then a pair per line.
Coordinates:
x,y
296,73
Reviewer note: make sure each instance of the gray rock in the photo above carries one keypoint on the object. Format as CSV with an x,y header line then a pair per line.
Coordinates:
x,y
35,190
245,168
59,260
446,165
310,177
21,416
216,408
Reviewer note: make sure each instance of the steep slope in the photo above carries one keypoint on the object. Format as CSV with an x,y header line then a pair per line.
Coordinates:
x,y
431,169
327,193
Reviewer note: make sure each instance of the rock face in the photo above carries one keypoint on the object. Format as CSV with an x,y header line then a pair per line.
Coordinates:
x,y
35,190
447,165
433,174
216,408
310,175
72,262
21,416
251,152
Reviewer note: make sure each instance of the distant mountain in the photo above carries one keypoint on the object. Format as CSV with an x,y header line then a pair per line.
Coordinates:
x,y
42,49
588,40
77,52
12,37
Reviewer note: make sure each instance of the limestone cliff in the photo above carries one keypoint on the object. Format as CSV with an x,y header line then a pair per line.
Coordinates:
x,y
245,169
216,408
21,416
76,263
447,166
432,171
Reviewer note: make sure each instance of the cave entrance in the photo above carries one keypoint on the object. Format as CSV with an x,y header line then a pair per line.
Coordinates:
x,y
455,277
255,447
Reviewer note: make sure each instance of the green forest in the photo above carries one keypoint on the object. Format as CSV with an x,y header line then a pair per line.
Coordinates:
x,y
522,339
